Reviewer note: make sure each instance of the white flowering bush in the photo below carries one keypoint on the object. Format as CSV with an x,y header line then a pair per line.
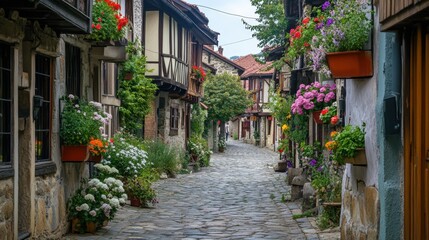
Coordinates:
x,y
127,158
97,200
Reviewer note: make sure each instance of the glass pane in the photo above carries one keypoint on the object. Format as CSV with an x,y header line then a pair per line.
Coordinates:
x,y
42,145
5,57
4,148
5,116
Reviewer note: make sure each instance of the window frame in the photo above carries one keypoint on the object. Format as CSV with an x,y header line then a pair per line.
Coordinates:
x,y
174,120
6,168
74,87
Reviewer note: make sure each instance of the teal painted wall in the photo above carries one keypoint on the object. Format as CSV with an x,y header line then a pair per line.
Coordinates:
x,y
390,175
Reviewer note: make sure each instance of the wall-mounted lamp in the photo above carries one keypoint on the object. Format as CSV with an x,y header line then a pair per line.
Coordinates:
x,y
37,105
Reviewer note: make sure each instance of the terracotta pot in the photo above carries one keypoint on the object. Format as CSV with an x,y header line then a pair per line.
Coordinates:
x,y
351,64
316,117
74,153
128,76
91,227
95,159
75,225
359,159
135,202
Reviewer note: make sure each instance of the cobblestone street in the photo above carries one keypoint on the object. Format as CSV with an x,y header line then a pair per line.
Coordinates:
x,y
238,197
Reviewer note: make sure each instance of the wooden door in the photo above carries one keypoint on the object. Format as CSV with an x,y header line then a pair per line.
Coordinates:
x,y
416,135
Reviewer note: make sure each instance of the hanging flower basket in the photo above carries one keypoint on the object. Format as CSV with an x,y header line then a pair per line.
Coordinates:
x,y
316,117
74,153
359,159
351,64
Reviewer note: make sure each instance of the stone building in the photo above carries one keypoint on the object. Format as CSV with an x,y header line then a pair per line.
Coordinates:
x,y
170,28
389,197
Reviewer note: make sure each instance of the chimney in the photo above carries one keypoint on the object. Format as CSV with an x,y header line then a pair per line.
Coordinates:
x,y
220,50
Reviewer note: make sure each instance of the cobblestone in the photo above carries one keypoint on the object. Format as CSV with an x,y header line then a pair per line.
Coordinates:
x,y
238,197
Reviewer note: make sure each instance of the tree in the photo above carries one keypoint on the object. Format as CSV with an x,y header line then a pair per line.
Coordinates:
x,y
225,98
271,30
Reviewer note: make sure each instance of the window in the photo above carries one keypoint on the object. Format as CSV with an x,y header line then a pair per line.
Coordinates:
x,y
174,121
183,118
113,126
43,118
73,70
110,78
5,104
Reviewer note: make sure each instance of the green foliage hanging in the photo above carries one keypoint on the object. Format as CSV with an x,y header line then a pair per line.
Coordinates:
x,y
137,93
198,117
225,97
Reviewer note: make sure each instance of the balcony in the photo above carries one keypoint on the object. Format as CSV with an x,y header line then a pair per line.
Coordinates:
x,y
195,90
63,16
397,14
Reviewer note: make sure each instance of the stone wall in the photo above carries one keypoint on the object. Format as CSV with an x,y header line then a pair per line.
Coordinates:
x,y
6,209
50,209
218,63
360,211
178,140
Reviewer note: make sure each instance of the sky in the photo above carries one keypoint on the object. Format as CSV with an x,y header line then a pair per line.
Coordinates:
x,y
231,28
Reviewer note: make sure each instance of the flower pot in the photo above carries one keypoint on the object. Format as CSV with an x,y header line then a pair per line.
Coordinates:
x,y
128,76
316,117
359,159
74,153
75,225
135,202
91,227
221,149
351,64
94,158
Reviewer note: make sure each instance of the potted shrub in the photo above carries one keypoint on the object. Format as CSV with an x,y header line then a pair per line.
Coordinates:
x,y
96,201
198,73
335,35
313,98
80,121
348,145
329,114
221,145
140,191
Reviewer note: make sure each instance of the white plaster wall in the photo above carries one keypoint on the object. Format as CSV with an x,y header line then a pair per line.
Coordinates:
x,y
361,96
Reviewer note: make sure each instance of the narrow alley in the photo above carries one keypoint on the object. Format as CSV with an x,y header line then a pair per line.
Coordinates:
x,y
237,197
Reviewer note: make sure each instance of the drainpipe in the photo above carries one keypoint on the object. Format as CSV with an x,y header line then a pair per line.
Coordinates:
x,y
15,146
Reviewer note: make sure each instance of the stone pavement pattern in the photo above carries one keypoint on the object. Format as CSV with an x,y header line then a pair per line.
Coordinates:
x,y
237,197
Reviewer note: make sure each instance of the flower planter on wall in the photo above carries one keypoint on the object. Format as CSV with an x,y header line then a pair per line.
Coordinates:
x,y
359,159
316,117
74,153
351,64
95,159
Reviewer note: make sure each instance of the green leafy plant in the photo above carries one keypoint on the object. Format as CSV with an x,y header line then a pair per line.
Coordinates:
x,y
256,135
199,151
347,142
328,113
141,187
221,144
162,157
81,121
137,93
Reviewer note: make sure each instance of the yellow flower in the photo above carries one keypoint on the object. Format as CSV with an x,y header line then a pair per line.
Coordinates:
x,y
285,127
333,133
288,116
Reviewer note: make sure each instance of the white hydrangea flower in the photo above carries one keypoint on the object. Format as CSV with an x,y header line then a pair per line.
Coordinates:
x,y
92,213
84,207
90,197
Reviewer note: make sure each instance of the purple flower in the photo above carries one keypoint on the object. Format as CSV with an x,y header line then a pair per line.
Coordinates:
x,y
326,5
309,95
313,162
309,105
320,97
289,164
330,96
329,22
319,169
322,89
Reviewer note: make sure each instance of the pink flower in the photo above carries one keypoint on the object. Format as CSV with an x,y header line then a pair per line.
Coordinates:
x,y
320,97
